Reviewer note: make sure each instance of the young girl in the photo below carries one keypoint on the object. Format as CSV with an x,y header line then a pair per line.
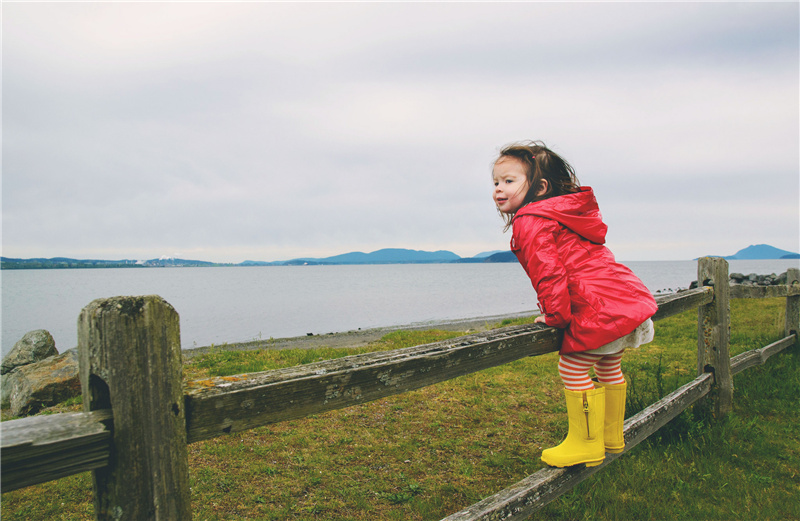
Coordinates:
x,y
603,308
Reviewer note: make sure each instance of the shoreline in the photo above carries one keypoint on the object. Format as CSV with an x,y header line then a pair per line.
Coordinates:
x,y
356,338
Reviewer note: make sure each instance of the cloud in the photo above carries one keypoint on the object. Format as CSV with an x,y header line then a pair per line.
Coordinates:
x,y
272,130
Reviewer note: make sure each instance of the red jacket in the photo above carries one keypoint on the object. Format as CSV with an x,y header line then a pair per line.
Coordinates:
x,y
579,285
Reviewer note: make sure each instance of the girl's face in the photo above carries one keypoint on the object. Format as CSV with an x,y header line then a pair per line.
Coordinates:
x,y
510,184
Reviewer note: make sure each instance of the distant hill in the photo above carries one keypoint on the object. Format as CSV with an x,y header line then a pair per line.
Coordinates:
x,y
503,256
762,251
7,263
492,256
259,263
384,256
485,254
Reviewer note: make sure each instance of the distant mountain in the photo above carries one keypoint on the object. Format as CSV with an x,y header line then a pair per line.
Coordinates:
x,y
183,263
485,254
260,263
7,263
503,256
63,262
762,251
384,256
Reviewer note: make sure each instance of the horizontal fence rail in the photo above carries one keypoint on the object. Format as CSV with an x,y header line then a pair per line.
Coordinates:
x,y
532,493
44,448
222,405
674,304
230,404
784,290
759,356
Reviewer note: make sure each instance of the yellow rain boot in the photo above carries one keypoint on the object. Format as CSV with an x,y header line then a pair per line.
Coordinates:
x,y
615,417
584,442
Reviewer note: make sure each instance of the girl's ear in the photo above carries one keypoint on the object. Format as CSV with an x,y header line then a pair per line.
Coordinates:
x,y
543,188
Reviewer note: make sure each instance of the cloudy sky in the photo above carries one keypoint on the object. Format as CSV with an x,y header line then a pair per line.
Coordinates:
x,y
268,131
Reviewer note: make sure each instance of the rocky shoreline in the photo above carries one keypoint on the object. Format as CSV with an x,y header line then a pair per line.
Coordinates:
x,y
753,279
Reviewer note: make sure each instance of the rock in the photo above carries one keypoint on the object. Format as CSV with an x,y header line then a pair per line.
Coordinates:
x,y
6,382
31,387
33,347
753,279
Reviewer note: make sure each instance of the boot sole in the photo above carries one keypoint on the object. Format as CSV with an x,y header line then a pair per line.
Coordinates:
x,y
590,463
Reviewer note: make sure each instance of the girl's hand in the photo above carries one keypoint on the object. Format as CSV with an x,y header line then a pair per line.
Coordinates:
x,y
539,320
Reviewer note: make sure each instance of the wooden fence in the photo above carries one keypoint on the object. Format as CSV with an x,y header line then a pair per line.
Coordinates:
x,y
140,416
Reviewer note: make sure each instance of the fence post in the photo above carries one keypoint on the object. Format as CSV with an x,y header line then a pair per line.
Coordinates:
x,y
130,362
793,305
714,331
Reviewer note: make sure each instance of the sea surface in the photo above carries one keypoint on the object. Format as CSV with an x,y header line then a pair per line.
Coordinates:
x,y
238,304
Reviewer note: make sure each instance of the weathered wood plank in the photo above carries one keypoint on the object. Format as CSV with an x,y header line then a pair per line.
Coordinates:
x,y
525,497
675,303
43,448
532,493
130,359
740,291
756,357
230,404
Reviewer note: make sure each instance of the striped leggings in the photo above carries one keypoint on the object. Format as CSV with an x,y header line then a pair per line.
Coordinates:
x,y
574,370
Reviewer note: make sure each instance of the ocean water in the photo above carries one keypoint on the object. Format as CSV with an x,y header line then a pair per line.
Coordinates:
x,y
235,304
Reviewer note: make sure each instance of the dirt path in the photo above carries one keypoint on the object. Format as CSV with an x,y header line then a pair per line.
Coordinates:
x,y
355,338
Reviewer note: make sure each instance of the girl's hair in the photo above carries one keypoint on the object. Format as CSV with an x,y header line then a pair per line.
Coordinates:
x,y
540,163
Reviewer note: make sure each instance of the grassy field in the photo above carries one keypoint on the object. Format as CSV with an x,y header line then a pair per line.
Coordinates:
x,y
426,454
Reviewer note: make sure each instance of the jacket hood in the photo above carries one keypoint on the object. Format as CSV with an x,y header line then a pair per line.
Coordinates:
x,y
578,212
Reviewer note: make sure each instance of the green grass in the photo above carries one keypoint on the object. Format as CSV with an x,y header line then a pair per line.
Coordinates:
x,y
426,454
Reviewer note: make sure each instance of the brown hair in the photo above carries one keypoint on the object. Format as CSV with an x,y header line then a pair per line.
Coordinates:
x,y
540,163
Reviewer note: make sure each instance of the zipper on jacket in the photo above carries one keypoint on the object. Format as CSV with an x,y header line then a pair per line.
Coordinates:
x,y
586,413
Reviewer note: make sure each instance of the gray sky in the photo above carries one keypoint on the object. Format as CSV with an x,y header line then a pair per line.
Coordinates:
x,y
268,131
